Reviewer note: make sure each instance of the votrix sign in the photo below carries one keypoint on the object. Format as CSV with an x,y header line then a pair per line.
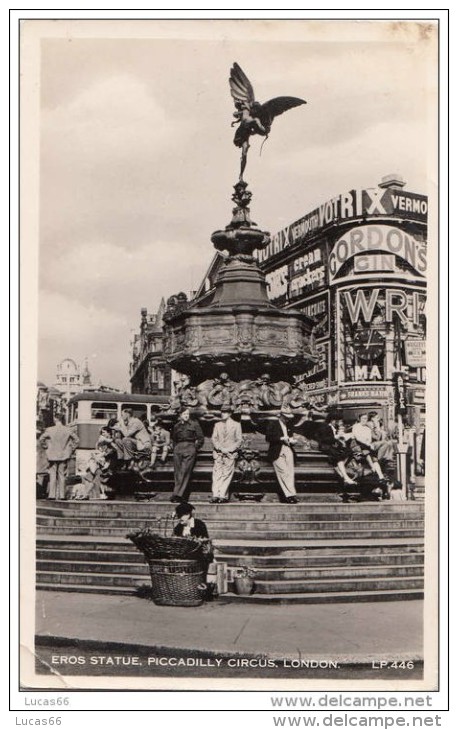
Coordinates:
x,y
351,205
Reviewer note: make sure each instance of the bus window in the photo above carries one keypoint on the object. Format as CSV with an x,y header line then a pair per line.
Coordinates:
x,y
104,411
73,415
138,409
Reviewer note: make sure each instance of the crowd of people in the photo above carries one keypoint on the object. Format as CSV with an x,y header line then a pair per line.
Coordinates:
x,y
365,445
132,443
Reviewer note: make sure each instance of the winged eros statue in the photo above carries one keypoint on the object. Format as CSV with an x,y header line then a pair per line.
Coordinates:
x,y
253,117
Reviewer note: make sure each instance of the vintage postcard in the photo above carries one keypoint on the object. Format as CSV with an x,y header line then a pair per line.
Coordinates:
x,y
229,276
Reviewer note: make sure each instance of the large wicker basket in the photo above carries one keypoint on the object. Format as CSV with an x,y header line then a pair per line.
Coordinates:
x,y
155,546
178,567
177,582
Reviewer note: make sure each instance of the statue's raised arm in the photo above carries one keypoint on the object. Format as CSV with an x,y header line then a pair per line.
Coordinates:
x,y
251,116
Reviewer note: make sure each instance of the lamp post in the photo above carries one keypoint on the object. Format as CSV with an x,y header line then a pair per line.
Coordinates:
x,y
401,410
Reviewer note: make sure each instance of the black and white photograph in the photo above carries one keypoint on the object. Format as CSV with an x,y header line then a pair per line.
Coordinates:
x,y
229,247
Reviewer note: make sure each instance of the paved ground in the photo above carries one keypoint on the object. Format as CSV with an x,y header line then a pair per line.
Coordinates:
x,y
351,634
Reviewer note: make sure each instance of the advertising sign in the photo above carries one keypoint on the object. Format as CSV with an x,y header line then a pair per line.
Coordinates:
x,y
353,204
317,308
277,282
380,241
362,392
307,272
400,394
402,305
321,369
415,353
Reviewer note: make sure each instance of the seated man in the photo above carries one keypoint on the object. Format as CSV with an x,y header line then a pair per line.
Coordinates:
x,y
362,434
332,442
105,445
383,445
92,482
160,440
135,440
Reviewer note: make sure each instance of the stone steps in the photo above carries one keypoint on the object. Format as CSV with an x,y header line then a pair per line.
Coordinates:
x,y
337,584
307,558
262,573
241,521
319,546
228,524
367,533
233,510
266,598
397,594
310,552
131,583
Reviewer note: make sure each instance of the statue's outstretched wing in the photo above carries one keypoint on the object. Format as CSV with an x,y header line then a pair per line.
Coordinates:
x,y
278,105
241,89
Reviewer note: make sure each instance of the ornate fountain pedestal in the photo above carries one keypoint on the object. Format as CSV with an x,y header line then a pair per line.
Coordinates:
x,y
249,349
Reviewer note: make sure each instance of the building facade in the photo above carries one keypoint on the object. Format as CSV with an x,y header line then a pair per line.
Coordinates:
x,y
149,372
357,267
72,378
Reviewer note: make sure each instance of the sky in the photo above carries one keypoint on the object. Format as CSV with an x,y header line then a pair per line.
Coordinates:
x,y
137,163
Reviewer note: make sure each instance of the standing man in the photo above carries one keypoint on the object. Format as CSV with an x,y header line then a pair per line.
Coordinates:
x,y
279,434
187,437
226,439
60,442
135,437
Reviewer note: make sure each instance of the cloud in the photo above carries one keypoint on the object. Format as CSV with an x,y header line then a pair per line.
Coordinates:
x,y
105,277
99,153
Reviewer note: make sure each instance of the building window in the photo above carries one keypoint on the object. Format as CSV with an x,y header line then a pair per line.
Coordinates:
x,y
160,379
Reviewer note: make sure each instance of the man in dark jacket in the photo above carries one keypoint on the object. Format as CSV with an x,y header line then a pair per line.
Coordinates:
x,y
279,434
187,438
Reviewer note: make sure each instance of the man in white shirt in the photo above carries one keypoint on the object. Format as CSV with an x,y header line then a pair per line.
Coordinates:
x,y
226,439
